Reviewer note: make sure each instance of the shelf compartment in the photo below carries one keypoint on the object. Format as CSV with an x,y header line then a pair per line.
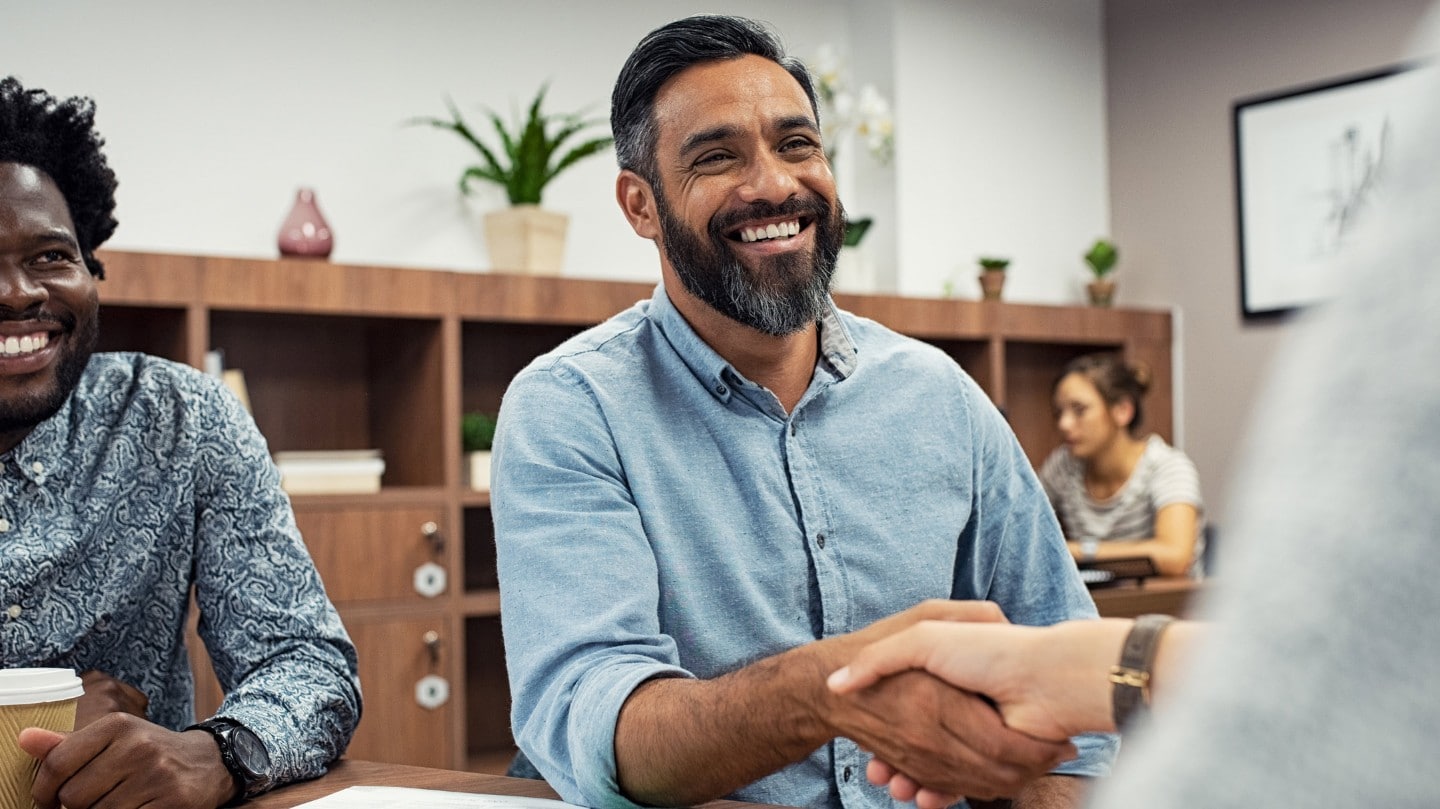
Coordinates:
x,y
491,354
321,382
162,331
480,572
487,691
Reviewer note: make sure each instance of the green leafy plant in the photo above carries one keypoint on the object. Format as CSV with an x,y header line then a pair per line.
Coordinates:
x,y
477,431
993,263
530,150
1102,257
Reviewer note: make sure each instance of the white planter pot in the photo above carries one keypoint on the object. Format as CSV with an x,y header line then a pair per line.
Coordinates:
x,y
477,470
526,239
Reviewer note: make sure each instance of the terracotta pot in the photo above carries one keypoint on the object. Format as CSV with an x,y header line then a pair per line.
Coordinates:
x,y
526,239
1102,291
991,283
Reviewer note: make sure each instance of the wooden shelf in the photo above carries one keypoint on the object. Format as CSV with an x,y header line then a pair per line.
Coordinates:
x,y
345,357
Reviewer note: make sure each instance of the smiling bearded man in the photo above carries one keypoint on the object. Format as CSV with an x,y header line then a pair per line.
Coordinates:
x,y
694,521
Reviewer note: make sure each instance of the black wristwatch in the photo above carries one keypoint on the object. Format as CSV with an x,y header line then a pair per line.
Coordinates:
x,y
243,753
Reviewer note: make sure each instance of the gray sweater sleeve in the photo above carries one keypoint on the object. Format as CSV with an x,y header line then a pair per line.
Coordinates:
x,y
1316,687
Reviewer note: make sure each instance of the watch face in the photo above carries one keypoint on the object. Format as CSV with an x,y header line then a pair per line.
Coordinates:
x,y
249,751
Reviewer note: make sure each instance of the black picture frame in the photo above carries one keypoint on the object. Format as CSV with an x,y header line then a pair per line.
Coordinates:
x,y
1308,161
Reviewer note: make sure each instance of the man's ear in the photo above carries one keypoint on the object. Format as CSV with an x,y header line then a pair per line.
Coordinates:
x,y
637,201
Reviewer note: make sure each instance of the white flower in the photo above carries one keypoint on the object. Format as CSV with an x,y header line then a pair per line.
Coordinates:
x,y
867,117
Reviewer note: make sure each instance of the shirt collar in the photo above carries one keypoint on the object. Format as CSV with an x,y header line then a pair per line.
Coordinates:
x,y
37,456
837,349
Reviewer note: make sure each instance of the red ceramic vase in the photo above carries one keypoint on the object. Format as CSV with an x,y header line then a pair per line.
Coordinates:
x,y
305,233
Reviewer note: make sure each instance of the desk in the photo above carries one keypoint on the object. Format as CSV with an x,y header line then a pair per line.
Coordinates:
x,y
1169,596
349,773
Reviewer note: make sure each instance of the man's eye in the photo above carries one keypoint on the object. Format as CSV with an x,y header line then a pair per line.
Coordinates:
x,y
712,160
58,258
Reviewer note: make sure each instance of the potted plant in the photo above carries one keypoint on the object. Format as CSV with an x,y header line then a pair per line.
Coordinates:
x,y
524,237
477,432
992,276
1101,258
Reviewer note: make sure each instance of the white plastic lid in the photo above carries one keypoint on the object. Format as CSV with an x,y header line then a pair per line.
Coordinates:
x,y
28,686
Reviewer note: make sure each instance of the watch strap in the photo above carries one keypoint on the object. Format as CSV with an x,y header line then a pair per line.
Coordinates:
x,y
246,782
1131,675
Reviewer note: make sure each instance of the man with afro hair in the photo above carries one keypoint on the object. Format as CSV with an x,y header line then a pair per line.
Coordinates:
x,y
126,482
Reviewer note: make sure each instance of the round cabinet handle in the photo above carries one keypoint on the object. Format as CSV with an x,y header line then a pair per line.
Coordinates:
x,y
429,580
431,531
432,691
432,642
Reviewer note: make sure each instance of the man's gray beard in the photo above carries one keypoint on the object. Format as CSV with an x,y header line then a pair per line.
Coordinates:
x,y
795,291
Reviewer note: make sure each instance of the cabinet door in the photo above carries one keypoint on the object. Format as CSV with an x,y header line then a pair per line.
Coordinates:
x,y
405,675
377,554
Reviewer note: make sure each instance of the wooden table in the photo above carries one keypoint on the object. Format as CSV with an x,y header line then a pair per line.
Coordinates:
x,y
1168,596
350,773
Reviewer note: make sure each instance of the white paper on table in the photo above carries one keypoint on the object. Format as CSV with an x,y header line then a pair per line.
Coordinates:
x,y
410,798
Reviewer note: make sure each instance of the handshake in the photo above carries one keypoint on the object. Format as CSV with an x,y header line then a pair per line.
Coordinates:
x,y
954,701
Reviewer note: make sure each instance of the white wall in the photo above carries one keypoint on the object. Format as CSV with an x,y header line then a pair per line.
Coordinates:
x,y
1000,143
215,113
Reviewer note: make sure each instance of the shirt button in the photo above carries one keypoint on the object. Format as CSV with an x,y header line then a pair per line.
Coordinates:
x,y
4,525
820,540
720,389
14,611
38,467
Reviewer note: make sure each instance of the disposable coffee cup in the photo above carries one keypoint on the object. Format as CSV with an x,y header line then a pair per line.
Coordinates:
x,y
31,698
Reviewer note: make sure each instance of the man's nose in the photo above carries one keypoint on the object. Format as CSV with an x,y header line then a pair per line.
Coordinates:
x,y
770,179
18,288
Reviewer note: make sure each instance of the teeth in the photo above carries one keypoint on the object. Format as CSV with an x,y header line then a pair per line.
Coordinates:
x,y
14,346
773,231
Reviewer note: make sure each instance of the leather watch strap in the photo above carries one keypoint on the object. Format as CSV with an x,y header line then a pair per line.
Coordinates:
x,y
1132,675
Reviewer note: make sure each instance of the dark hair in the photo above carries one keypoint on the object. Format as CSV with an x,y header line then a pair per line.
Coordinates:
x,y
1115,379
59,138
670,49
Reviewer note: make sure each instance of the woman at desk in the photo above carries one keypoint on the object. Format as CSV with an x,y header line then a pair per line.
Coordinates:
x,y
1117,493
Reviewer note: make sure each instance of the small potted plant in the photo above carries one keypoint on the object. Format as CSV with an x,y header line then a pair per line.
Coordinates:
x,y
992,276
524,237
477,432
1102,258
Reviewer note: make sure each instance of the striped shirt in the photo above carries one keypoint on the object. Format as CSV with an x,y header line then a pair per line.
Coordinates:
x,y
1164,476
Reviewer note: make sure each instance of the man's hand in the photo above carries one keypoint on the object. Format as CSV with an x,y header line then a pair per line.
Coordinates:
x,y
948,739
106,695
127,762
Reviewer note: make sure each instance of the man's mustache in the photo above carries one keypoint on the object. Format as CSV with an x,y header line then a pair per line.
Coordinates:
x,y
815,207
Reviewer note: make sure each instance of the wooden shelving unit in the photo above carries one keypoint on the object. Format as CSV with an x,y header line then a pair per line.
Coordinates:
x,y
350,357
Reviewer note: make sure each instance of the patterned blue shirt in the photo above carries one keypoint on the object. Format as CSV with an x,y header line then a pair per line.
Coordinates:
x,y
657,514
149,481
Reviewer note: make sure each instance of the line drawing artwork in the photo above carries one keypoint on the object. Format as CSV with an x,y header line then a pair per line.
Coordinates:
x,y
1311,163
1357,169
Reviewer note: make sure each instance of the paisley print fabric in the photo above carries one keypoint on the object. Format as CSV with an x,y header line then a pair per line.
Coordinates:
x,y
149,482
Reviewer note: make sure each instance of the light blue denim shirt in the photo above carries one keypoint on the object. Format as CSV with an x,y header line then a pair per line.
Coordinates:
x,y
657,514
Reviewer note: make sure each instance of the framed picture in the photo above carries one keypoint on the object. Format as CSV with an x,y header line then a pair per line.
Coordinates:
x,y
1310,162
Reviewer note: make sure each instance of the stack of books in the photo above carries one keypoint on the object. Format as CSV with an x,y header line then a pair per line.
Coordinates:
x,y
330,471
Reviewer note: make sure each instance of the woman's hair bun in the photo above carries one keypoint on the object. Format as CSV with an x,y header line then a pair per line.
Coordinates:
x,y
1142,375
